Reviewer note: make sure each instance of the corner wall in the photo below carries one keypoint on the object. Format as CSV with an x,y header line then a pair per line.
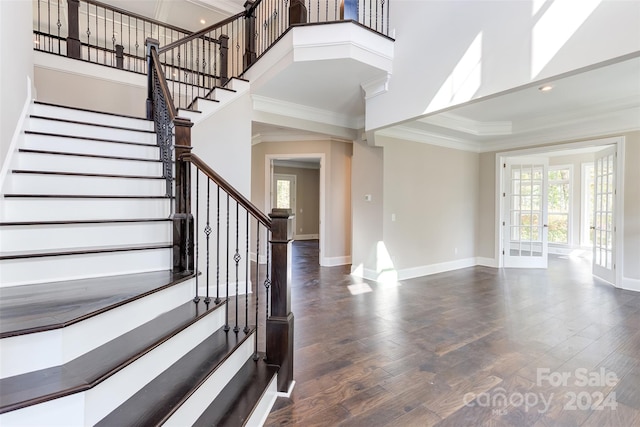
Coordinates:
x,y
16,65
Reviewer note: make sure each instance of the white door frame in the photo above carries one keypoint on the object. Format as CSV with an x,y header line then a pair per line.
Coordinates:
x,y
269,158
619,141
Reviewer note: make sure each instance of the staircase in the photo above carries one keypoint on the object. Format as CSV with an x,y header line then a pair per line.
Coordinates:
x,y
95,327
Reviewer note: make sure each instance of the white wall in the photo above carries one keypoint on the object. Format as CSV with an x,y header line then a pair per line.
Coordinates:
x,y
433,36
367,180
223,141
16,64
430,207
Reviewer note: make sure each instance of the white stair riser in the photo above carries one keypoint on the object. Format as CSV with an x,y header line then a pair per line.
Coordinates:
x,y
45,237
191,410
65,163
63,412
17,272
88,146
89,131
91,117
85,185
30,352
223,95
114,391
262,409
54,209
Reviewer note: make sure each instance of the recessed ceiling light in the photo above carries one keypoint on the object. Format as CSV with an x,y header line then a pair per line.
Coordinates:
x,y
545,88
202,21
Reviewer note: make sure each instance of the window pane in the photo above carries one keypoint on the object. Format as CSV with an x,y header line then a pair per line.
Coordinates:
x,y
282,194
558,228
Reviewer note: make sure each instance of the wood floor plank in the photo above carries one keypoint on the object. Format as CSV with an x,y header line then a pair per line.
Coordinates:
x,y
408,354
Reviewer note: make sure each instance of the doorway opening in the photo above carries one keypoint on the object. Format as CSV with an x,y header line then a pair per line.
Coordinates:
x,y
563,201
296,182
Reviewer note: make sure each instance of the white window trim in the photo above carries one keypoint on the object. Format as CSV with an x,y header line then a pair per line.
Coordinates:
x,y
585,209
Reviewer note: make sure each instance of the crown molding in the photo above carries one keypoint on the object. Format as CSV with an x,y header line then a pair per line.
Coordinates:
x,y
473,127
376,86
304,112
418,135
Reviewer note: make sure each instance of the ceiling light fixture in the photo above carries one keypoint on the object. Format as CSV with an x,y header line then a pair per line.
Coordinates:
x,y
202,21
545,88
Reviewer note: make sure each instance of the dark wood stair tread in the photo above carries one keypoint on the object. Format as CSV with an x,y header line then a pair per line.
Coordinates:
x,y
84,196
159,399
96,365
79,122
46,306
82,251
235,404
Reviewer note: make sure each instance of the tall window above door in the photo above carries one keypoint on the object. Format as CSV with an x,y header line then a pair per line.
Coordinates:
x,y
559,204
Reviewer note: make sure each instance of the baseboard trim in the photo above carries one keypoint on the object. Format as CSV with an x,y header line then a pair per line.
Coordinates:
x,y
307,237
630,284
335,261
425,270
487,262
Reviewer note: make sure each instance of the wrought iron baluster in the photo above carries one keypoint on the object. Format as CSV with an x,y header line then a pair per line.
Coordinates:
x,y
207,232
246,282
236,258
218,249
196,299
255,346
226,324
267,281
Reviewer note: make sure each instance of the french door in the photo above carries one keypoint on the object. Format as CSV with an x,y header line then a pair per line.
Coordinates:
x,y
525,212
604,227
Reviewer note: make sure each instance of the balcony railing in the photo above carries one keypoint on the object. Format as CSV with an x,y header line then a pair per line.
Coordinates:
x,y
193,62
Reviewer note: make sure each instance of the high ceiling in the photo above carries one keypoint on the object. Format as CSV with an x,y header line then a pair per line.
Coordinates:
x,y
600,100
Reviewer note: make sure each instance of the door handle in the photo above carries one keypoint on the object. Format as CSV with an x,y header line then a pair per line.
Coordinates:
x,y
592,228
545,225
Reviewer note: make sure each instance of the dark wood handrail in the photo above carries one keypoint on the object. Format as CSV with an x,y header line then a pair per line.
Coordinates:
x,y
235,194
163,85
137,16
200,33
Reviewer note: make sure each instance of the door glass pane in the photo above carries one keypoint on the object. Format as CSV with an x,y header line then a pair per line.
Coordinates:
x,y
283,194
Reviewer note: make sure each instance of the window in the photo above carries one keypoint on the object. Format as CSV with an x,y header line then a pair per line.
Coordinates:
x,y
559,196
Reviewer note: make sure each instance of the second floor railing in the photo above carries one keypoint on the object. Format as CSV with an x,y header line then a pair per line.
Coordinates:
x,y
193,63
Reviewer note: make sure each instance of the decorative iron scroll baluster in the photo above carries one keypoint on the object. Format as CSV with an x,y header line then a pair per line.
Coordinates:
x,y
236,258
267,281
246,282
164,134
207,233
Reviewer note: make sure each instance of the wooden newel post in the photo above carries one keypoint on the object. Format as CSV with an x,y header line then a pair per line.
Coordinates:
x,y
280,323
155,44
224,58
183,233
297,12
119,56
73,37
249,35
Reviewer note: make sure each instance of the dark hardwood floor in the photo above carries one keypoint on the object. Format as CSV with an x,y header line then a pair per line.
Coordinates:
x,y
477,346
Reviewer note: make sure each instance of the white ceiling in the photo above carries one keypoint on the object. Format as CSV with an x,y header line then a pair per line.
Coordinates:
x,y
598,101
